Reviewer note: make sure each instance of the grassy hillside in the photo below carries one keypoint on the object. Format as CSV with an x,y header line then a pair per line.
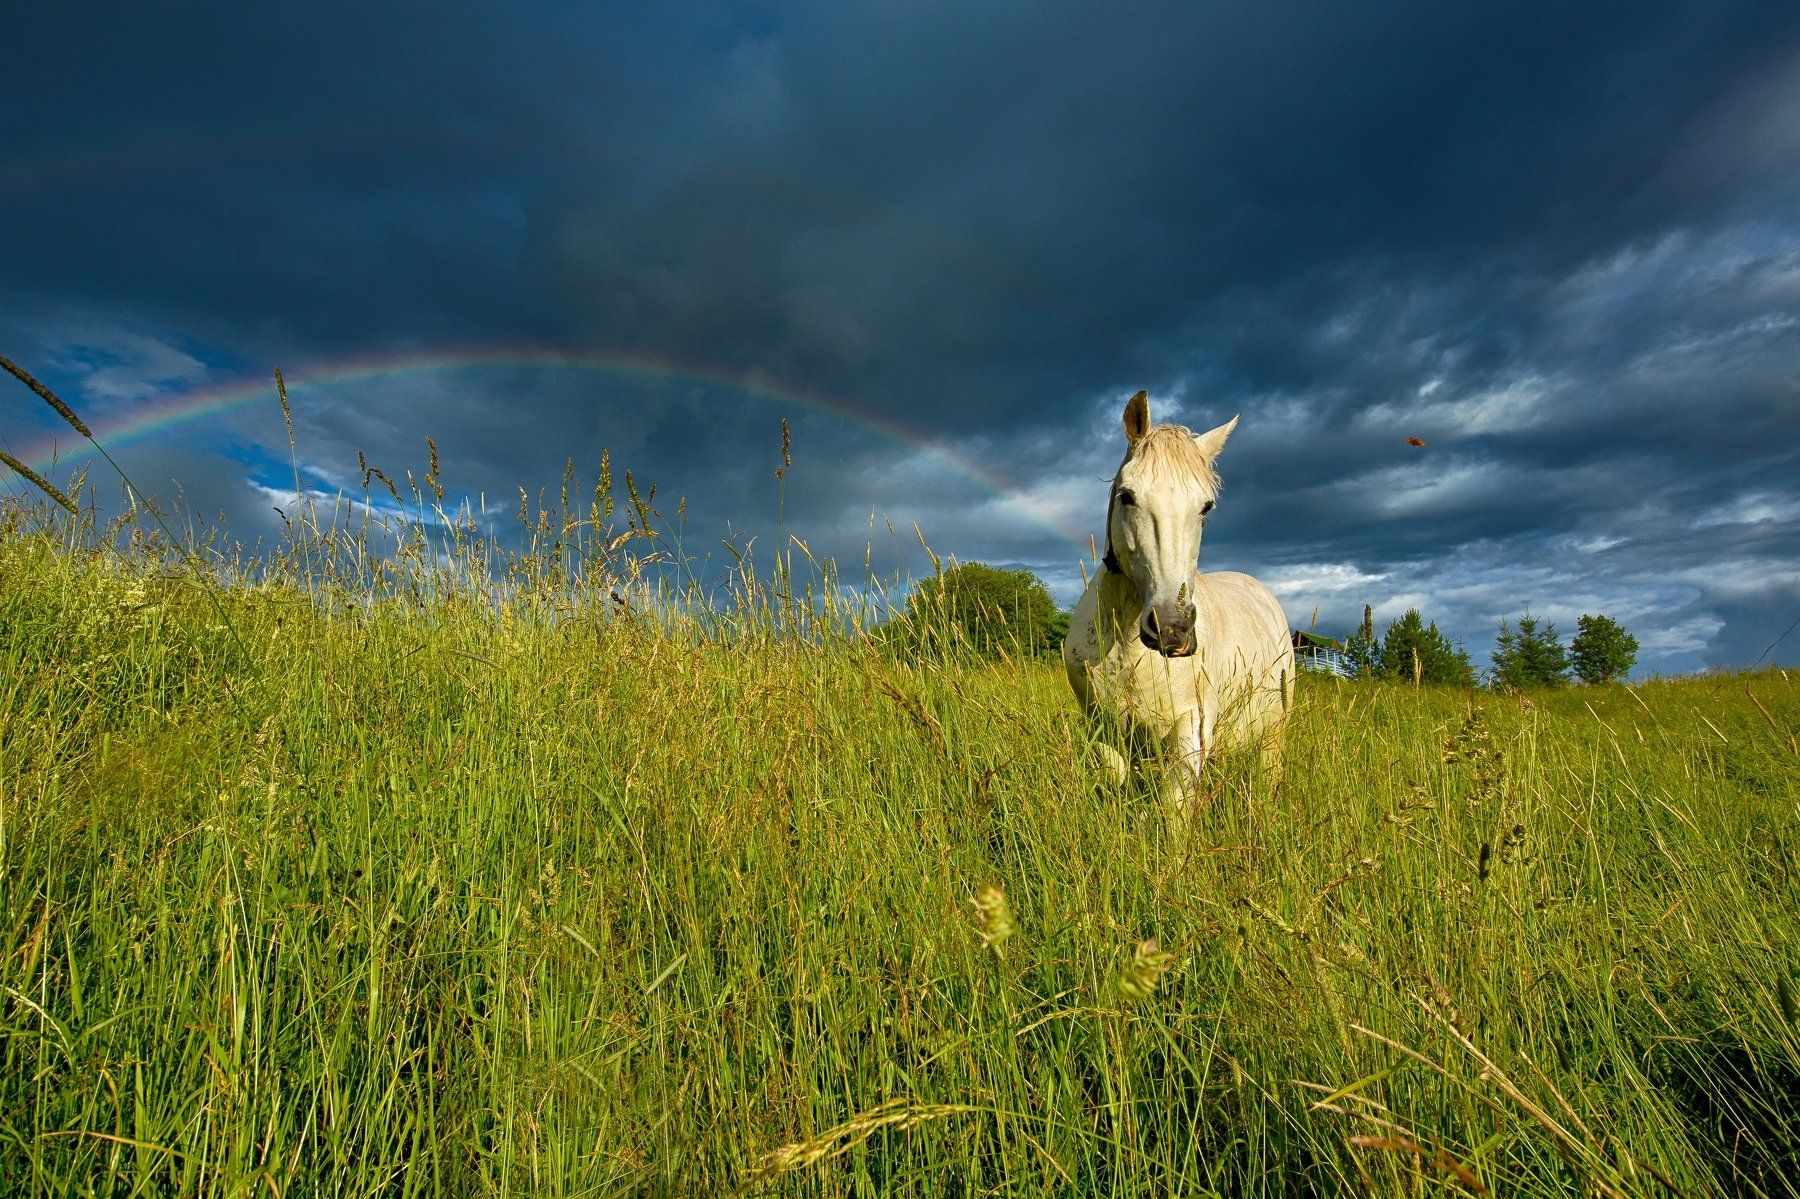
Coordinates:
x,y
407,895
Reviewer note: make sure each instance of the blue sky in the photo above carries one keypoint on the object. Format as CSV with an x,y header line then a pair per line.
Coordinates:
x,y
1558,242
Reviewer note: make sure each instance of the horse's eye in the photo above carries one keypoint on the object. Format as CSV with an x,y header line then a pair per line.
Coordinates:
x,y
1206,507
1126,499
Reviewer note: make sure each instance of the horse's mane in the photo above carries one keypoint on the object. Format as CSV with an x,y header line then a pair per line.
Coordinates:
x,y
1171,449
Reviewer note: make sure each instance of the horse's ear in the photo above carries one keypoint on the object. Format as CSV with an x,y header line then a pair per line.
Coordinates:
x,y
1137,417
1213,440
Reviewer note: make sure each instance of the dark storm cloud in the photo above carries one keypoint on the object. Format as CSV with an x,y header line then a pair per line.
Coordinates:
x,y
1556,242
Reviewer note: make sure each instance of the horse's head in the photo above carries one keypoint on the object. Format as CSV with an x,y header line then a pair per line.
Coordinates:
x,y
1160,498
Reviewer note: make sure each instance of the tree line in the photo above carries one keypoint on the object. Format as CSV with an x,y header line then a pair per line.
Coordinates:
x,y
1527,654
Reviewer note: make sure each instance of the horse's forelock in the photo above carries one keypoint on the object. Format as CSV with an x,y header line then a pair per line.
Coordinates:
x,y
1170,450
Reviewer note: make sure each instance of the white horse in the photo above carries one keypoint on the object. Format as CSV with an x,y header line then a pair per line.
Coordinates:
x,y
1194,662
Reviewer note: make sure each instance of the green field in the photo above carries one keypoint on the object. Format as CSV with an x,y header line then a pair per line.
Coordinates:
x,y
429,886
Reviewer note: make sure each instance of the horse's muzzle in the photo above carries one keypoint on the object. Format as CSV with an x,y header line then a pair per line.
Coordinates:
x,y
1168,629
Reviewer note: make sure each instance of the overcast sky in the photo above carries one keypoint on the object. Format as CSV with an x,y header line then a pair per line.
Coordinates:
x,y
1560,243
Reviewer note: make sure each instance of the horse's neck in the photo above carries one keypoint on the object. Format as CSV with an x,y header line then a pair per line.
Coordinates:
x,y
1120,604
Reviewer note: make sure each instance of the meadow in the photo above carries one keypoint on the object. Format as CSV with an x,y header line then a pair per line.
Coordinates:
x,y
381,874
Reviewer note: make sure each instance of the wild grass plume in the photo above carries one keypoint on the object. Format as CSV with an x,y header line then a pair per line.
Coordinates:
x,y
42,484
61,409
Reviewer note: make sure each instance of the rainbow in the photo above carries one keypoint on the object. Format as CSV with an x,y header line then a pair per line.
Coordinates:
x,y
153,418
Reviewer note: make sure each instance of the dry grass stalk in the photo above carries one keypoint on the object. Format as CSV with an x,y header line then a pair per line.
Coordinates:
x,y
1437,1157
63,410
899,1114
42,484
1578,1151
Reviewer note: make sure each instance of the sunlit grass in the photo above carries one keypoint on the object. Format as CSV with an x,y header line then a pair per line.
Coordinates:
x,y
428,877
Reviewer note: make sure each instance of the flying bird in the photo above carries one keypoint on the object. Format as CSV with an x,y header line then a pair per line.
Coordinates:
x,y
1418,441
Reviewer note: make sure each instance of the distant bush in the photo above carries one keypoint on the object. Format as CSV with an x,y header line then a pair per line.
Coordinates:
x,y
988,610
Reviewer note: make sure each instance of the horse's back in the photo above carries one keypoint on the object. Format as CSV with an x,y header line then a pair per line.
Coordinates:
x,y
1248,651
1248,608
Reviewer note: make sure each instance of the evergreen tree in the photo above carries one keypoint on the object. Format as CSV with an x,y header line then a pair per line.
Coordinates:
x,y
1361,648
1529,656
1602,650
1414,651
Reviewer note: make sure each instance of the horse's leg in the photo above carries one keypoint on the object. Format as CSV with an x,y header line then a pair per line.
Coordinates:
x,y
1188,744
1099,722
1114,761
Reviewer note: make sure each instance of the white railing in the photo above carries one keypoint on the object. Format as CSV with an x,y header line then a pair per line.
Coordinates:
x,y
1324,661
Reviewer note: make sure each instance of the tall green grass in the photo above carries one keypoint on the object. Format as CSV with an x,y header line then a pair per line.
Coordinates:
x,y
431,871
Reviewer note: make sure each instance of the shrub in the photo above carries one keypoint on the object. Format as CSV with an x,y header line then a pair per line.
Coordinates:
x,y
987,609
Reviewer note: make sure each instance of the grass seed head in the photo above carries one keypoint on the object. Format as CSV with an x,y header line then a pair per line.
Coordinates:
x,y
287,413
386,482
898,1115
63,410
993,917
1138,975
42,484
